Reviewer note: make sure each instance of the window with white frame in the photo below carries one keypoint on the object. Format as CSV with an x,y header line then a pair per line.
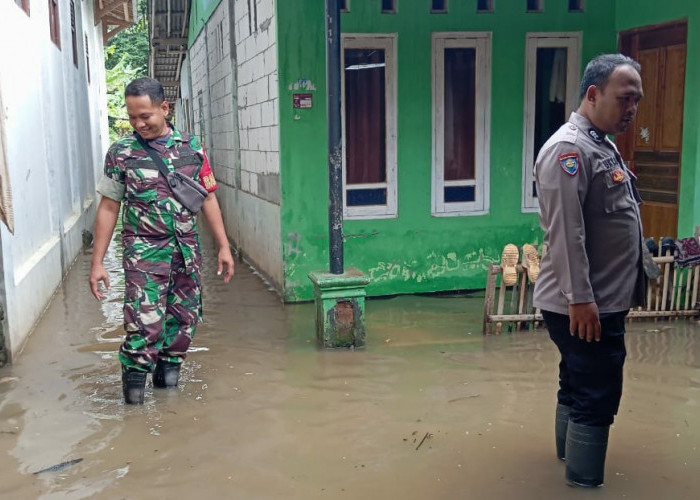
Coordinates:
x,y
461,123
369,126
552,62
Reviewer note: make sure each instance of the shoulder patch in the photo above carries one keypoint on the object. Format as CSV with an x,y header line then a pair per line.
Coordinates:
x,y
569,163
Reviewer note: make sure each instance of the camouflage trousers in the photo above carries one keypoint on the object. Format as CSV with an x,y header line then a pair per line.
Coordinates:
x,y
160,315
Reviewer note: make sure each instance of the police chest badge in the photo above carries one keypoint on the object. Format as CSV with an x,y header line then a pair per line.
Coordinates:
x,y
569,163
618,176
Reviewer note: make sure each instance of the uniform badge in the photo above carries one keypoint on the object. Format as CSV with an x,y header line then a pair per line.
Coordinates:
x,y
595,135
569,163
618,176
209,181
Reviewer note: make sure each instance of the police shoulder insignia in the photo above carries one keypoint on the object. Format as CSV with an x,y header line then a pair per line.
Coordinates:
x,y
569,163
595,135
618,176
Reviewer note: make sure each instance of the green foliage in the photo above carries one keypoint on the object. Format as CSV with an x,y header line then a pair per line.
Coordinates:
x,y
126,58
131,44
118,77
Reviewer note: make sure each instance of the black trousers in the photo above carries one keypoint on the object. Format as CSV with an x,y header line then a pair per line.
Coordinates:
x,y
590,373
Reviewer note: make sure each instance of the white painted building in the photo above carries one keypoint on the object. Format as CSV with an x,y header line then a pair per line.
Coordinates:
x,y
229,97
52,86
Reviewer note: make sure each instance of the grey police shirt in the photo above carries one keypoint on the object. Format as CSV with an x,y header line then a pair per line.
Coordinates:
x,y
589,211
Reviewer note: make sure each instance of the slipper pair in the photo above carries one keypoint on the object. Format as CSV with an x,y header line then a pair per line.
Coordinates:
x,y
509,261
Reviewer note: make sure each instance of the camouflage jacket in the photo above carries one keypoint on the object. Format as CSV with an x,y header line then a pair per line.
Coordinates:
x,y
154,223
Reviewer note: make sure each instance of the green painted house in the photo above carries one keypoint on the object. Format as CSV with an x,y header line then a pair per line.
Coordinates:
x,y
445,104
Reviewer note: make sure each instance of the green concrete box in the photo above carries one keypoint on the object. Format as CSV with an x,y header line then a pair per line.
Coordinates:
x,y
340,308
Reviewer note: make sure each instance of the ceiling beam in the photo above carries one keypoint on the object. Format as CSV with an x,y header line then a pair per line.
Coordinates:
x,y
111,30
104,8
169,41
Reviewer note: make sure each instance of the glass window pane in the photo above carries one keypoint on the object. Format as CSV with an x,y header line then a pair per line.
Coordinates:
x,y
439,5
484,5
534,5
456,194
365,116
575,5
550,98
365,197
460,114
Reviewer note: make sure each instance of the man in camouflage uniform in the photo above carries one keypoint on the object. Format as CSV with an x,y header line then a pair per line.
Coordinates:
x,y
162,259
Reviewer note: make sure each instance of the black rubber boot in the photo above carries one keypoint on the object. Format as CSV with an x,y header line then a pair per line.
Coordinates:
x,y
561,423
166,374
585,454
134,385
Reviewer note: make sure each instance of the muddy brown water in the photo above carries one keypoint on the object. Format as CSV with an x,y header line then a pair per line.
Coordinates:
x,y
431,409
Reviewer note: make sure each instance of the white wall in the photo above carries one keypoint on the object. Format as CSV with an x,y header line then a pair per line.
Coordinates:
x,y
258,95
56,135
239,105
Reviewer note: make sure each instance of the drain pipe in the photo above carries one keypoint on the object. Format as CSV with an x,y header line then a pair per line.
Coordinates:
x,y
339,294
335,146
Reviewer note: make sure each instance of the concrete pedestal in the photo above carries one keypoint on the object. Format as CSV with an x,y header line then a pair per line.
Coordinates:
x,y
340,308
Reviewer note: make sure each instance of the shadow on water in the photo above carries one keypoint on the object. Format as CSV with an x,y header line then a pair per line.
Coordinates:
x,y
430,409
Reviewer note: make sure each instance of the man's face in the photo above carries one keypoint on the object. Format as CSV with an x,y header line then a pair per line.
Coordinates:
x,y
615,105
147,117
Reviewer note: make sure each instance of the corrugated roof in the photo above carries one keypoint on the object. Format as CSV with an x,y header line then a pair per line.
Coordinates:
x,y
168,24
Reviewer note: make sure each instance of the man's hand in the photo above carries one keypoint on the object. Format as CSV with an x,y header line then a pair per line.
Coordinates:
x,y
584,321
105,220
225,259
212,213
98,273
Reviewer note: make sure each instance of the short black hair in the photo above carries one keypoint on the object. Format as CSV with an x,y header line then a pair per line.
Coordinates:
x,y
146,86
598,70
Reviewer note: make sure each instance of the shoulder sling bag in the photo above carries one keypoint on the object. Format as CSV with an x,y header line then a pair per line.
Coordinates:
x,y
186,190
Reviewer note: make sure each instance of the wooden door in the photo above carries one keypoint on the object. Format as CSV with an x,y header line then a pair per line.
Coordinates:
x,y
652,144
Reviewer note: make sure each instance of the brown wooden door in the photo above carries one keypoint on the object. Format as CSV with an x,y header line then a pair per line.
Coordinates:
x,y
652,144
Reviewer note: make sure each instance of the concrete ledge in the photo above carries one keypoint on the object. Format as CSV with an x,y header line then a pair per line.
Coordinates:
x,y
328,281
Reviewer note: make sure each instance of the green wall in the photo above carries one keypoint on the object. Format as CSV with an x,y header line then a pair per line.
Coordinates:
x,y
200,12
636,13
415,252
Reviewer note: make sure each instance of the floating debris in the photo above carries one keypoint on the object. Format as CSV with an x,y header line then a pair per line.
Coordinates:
x,y
427,436
5,380
463,397
60,467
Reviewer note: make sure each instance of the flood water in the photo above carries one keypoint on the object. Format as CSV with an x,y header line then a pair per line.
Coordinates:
x,y
431,409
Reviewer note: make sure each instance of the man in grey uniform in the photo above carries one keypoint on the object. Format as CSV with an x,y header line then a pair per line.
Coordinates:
x,y
592,274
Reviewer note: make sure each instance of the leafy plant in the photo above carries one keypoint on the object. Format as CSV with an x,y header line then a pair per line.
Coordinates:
x,y
126,58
